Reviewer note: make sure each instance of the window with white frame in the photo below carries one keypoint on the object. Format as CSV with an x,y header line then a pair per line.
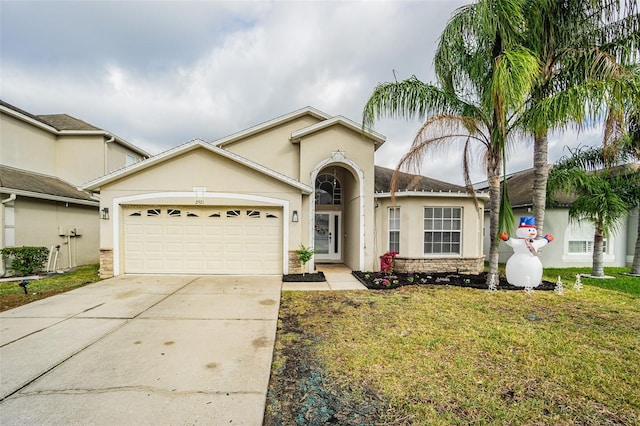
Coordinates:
x,y
580,238
442,230
130,159
394,229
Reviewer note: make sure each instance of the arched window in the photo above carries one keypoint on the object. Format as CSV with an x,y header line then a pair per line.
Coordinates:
x,y
328,189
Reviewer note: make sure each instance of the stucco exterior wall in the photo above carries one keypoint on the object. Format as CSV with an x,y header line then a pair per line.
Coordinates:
x,y
80,158
318,148
37,223
555,254
273,148
199,168
25,146
412,224
117,156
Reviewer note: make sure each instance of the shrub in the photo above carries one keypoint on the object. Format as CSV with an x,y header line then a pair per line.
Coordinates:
x,y
304,254
25,260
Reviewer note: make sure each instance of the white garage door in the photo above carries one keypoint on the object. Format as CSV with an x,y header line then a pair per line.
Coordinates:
x,y
202,240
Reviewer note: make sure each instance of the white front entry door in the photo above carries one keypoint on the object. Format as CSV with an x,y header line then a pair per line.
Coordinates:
x,y
327,236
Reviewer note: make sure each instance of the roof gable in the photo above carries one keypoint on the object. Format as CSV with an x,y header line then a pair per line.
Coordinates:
x,y
182,149
376,137
270,124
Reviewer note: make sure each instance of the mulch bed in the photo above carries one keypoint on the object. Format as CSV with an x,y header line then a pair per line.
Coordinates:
x,y
383,281
316,277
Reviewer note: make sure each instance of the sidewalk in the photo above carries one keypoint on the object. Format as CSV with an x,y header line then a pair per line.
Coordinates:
x,y
338,277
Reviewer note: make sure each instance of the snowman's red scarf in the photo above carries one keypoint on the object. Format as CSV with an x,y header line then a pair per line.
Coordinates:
x,y
529,244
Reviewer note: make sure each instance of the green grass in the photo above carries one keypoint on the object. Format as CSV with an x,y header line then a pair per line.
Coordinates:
x,y
12,295
449,355
621,282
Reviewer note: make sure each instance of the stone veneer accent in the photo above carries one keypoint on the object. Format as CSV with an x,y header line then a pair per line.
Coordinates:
x,y
106,263
294,263
468,265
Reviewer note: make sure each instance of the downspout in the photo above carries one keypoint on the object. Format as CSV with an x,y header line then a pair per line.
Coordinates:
x,y
108,141
12,197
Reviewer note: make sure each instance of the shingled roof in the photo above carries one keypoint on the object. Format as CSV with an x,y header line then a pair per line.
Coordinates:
x,y
412,182
520,188
35,184
67,122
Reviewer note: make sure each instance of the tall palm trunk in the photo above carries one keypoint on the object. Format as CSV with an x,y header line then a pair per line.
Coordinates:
x,y
597,269
635,266
493,174
541,173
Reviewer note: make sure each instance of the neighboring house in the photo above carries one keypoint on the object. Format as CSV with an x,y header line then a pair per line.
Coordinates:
x,y
573,241
245,203
43,161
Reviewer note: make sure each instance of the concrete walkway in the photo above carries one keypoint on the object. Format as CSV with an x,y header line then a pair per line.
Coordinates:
x,y
338,277
141,351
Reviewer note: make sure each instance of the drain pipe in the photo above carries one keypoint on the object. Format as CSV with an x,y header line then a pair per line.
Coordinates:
x,y
3,270
106,151
12,197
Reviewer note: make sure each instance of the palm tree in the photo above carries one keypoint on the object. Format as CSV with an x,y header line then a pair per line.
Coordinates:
x,y
582,46
604,196
483,78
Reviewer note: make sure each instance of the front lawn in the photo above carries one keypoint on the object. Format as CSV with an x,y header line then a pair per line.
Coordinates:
x,y
12,295
450,355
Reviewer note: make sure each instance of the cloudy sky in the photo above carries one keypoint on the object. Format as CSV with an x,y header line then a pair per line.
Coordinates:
x,y
161,73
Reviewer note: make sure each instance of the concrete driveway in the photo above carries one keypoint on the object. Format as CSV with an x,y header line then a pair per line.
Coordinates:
x,y
137,350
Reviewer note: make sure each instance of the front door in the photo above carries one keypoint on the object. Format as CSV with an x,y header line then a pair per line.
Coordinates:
x,y
327,236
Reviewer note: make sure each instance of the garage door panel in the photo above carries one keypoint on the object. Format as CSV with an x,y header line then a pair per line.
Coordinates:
x,y
202,240
233,231
194,230
174,249
194,248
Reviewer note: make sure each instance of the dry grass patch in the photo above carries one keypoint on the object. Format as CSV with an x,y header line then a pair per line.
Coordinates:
x,y
458,356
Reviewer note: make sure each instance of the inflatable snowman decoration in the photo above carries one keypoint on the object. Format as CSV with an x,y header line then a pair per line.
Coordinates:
x,y
524,268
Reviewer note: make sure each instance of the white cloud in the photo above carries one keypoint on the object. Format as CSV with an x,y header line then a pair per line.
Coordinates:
x,y
160,74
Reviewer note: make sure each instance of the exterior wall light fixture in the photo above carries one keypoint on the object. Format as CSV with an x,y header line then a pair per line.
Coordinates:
x,y
104,213
294,216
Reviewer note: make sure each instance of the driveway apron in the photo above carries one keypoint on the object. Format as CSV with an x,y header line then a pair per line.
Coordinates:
x,y
137,350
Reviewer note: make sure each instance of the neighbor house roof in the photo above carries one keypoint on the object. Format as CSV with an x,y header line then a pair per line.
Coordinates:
x,y
67,122
414,185
189,146
36,185
64,124
520,190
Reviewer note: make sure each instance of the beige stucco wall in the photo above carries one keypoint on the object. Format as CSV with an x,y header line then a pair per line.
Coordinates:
x,y
117,156
25,146
272,147
412,224
319,147
202,168
80,158
555,254
37,223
